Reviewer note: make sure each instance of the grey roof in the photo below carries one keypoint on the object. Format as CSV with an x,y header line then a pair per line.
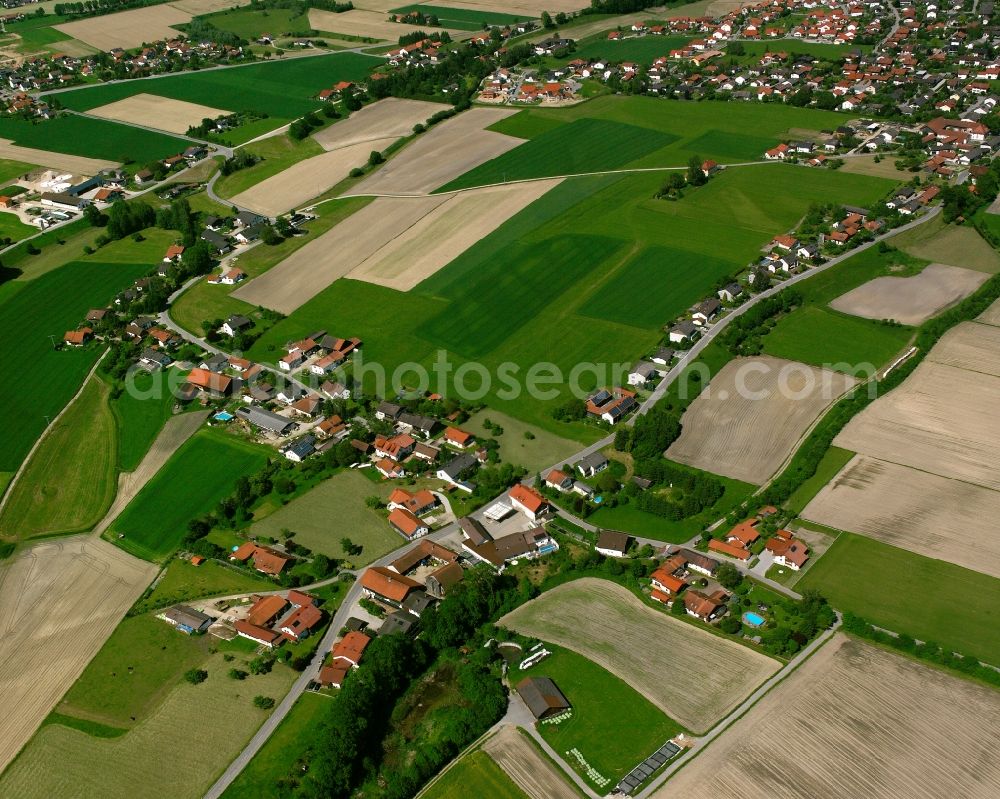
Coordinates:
x,y
184,616
302,447
266,420
612,539
417,602
424,424
397,622
215,240
595,461
390,409
644,369
459,464
236,321
155,356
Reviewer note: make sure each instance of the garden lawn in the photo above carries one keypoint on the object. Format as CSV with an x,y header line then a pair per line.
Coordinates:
x,y
11,170
540,451
140,413
283,89
92,137
182,582
600,701
282,750
14,229
584,145
475,774
822,337
192,482
46,378
832,462
931,600
333,510
629,519
138,665
70,481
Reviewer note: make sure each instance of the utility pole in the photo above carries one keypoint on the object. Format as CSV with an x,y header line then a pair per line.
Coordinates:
x,y
52,338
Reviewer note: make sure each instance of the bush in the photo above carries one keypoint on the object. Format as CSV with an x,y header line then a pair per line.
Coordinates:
x,y
263,702
196,676
237,674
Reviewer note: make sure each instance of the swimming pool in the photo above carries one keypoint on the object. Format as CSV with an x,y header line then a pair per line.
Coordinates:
x,y
224,416
753,619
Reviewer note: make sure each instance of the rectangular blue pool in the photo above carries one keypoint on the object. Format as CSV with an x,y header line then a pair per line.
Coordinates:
x,y
753,619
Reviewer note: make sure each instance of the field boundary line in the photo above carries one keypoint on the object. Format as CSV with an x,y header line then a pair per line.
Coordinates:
x,y
494,730
24,464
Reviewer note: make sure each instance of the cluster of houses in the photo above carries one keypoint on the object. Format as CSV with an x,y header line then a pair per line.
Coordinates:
x,y
43,71
671,581
517,86
739,543
273,619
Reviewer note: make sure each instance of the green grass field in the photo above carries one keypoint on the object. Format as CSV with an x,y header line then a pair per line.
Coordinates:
x,y
139,664
832,462
750,126
530,292
70,481
11,170
464,19
214,720
823,337
282,89
657,285
14,229
584,145
931,600
335,509
140,415
282,750
46,379
600,700
196,477
474,775
277,154
643,50
92,137
831,52
183,582
252,24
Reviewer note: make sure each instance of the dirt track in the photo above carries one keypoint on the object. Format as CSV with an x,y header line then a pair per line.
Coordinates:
x,y
695,677
175,432
446,151
59,601
753,414
391,118
532,773
307,179
77,164
173,116
911,300
854,721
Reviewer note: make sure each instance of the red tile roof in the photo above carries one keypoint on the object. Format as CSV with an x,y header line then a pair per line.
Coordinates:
x,y
405,522
527,497
732,550
265,610
388,584
351,647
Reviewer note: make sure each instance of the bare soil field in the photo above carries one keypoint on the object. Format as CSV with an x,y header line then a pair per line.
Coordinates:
x,y
913,510
214,720
446,151
695,677
535,775
174,116
59,601
315,266
854,720
127,28
752,416
307,179
911,300
371,24
942,419
389,118
447,231
991,316
866,165
175,432
77,164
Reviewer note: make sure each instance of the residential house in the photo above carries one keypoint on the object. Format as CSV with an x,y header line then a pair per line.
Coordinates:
x,y
611,406
590,465
683,331
706,311
259,635
613,544
384,585
642,373
77,338
302,621
407,524
300,449
418,504
453,471
529,502
351,648
459,438
706,607
788,550
737,551
236,324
